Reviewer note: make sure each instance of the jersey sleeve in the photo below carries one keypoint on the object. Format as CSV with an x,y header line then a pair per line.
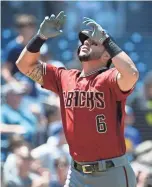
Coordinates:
x,y
112,81
52,78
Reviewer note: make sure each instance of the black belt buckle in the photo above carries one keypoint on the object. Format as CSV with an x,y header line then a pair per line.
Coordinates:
x,y
109,164
90,168
87,169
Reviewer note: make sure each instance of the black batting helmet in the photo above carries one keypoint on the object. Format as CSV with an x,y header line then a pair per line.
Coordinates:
x,y
82,38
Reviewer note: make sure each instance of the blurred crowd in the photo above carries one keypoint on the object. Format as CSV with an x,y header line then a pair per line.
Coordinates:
x,y
34,151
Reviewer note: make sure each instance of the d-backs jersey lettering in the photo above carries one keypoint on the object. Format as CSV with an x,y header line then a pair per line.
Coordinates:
x,y
92,111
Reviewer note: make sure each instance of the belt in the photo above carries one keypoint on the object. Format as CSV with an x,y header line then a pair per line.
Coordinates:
x,y
93,167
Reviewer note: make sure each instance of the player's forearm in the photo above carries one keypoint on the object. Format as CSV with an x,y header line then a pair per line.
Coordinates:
x,y
121,60
27,60
30,54
125,66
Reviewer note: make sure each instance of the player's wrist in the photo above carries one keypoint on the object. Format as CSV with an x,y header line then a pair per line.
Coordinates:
x,y
111,47
42,36
35,44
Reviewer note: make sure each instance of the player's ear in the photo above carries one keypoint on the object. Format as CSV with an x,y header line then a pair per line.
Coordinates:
x,y
105,57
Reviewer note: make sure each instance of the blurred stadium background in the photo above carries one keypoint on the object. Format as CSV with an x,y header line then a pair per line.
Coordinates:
x,y
34,152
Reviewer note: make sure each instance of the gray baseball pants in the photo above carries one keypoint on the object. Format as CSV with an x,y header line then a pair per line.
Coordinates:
x,y
121,175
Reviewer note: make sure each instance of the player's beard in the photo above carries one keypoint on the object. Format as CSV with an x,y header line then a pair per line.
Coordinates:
x,y
89,56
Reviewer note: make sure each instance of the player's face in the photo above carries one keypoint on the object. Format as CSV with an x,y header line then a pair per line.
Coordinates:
x,y
90,50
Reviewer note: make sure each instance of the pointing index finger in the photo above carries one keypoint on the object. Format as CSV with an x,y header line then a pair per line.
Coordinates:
x,y
60,15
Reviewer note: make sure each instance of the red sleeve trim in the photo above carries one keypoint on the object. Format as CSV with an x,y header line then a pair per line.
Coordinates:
x,y
44,69
52,77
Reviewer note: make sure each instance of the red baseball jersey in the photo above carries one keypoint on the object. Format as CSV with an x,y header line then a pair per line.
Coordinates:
x,y
92,111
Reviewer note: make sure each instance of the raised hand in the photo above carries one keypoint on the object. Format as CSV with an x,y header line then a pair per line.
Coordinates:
x,y
97,33
52,26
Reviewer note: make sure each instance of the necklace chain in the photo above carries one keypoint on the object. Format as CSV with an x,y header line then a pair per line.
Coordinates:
x,y
91,73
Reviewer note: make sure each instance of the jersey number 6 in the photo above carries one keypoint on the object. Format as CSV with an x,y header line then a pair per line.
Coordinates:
x,y
100,124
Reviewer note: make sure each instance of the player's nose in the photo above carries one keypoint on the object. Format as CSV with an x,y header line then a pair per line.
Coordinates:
x,y
87,43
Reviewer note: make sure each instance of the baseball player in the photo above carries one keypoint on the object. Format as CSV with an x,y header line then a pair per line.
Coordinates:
x,y
92,102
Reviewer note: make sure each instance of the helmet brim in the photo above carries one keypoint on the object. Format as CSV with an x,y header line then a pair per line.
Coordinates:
x,y
83,35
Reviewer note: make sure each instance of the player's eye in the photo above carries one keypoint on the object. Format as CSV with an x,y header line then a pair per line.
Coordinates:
x,y
94,43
